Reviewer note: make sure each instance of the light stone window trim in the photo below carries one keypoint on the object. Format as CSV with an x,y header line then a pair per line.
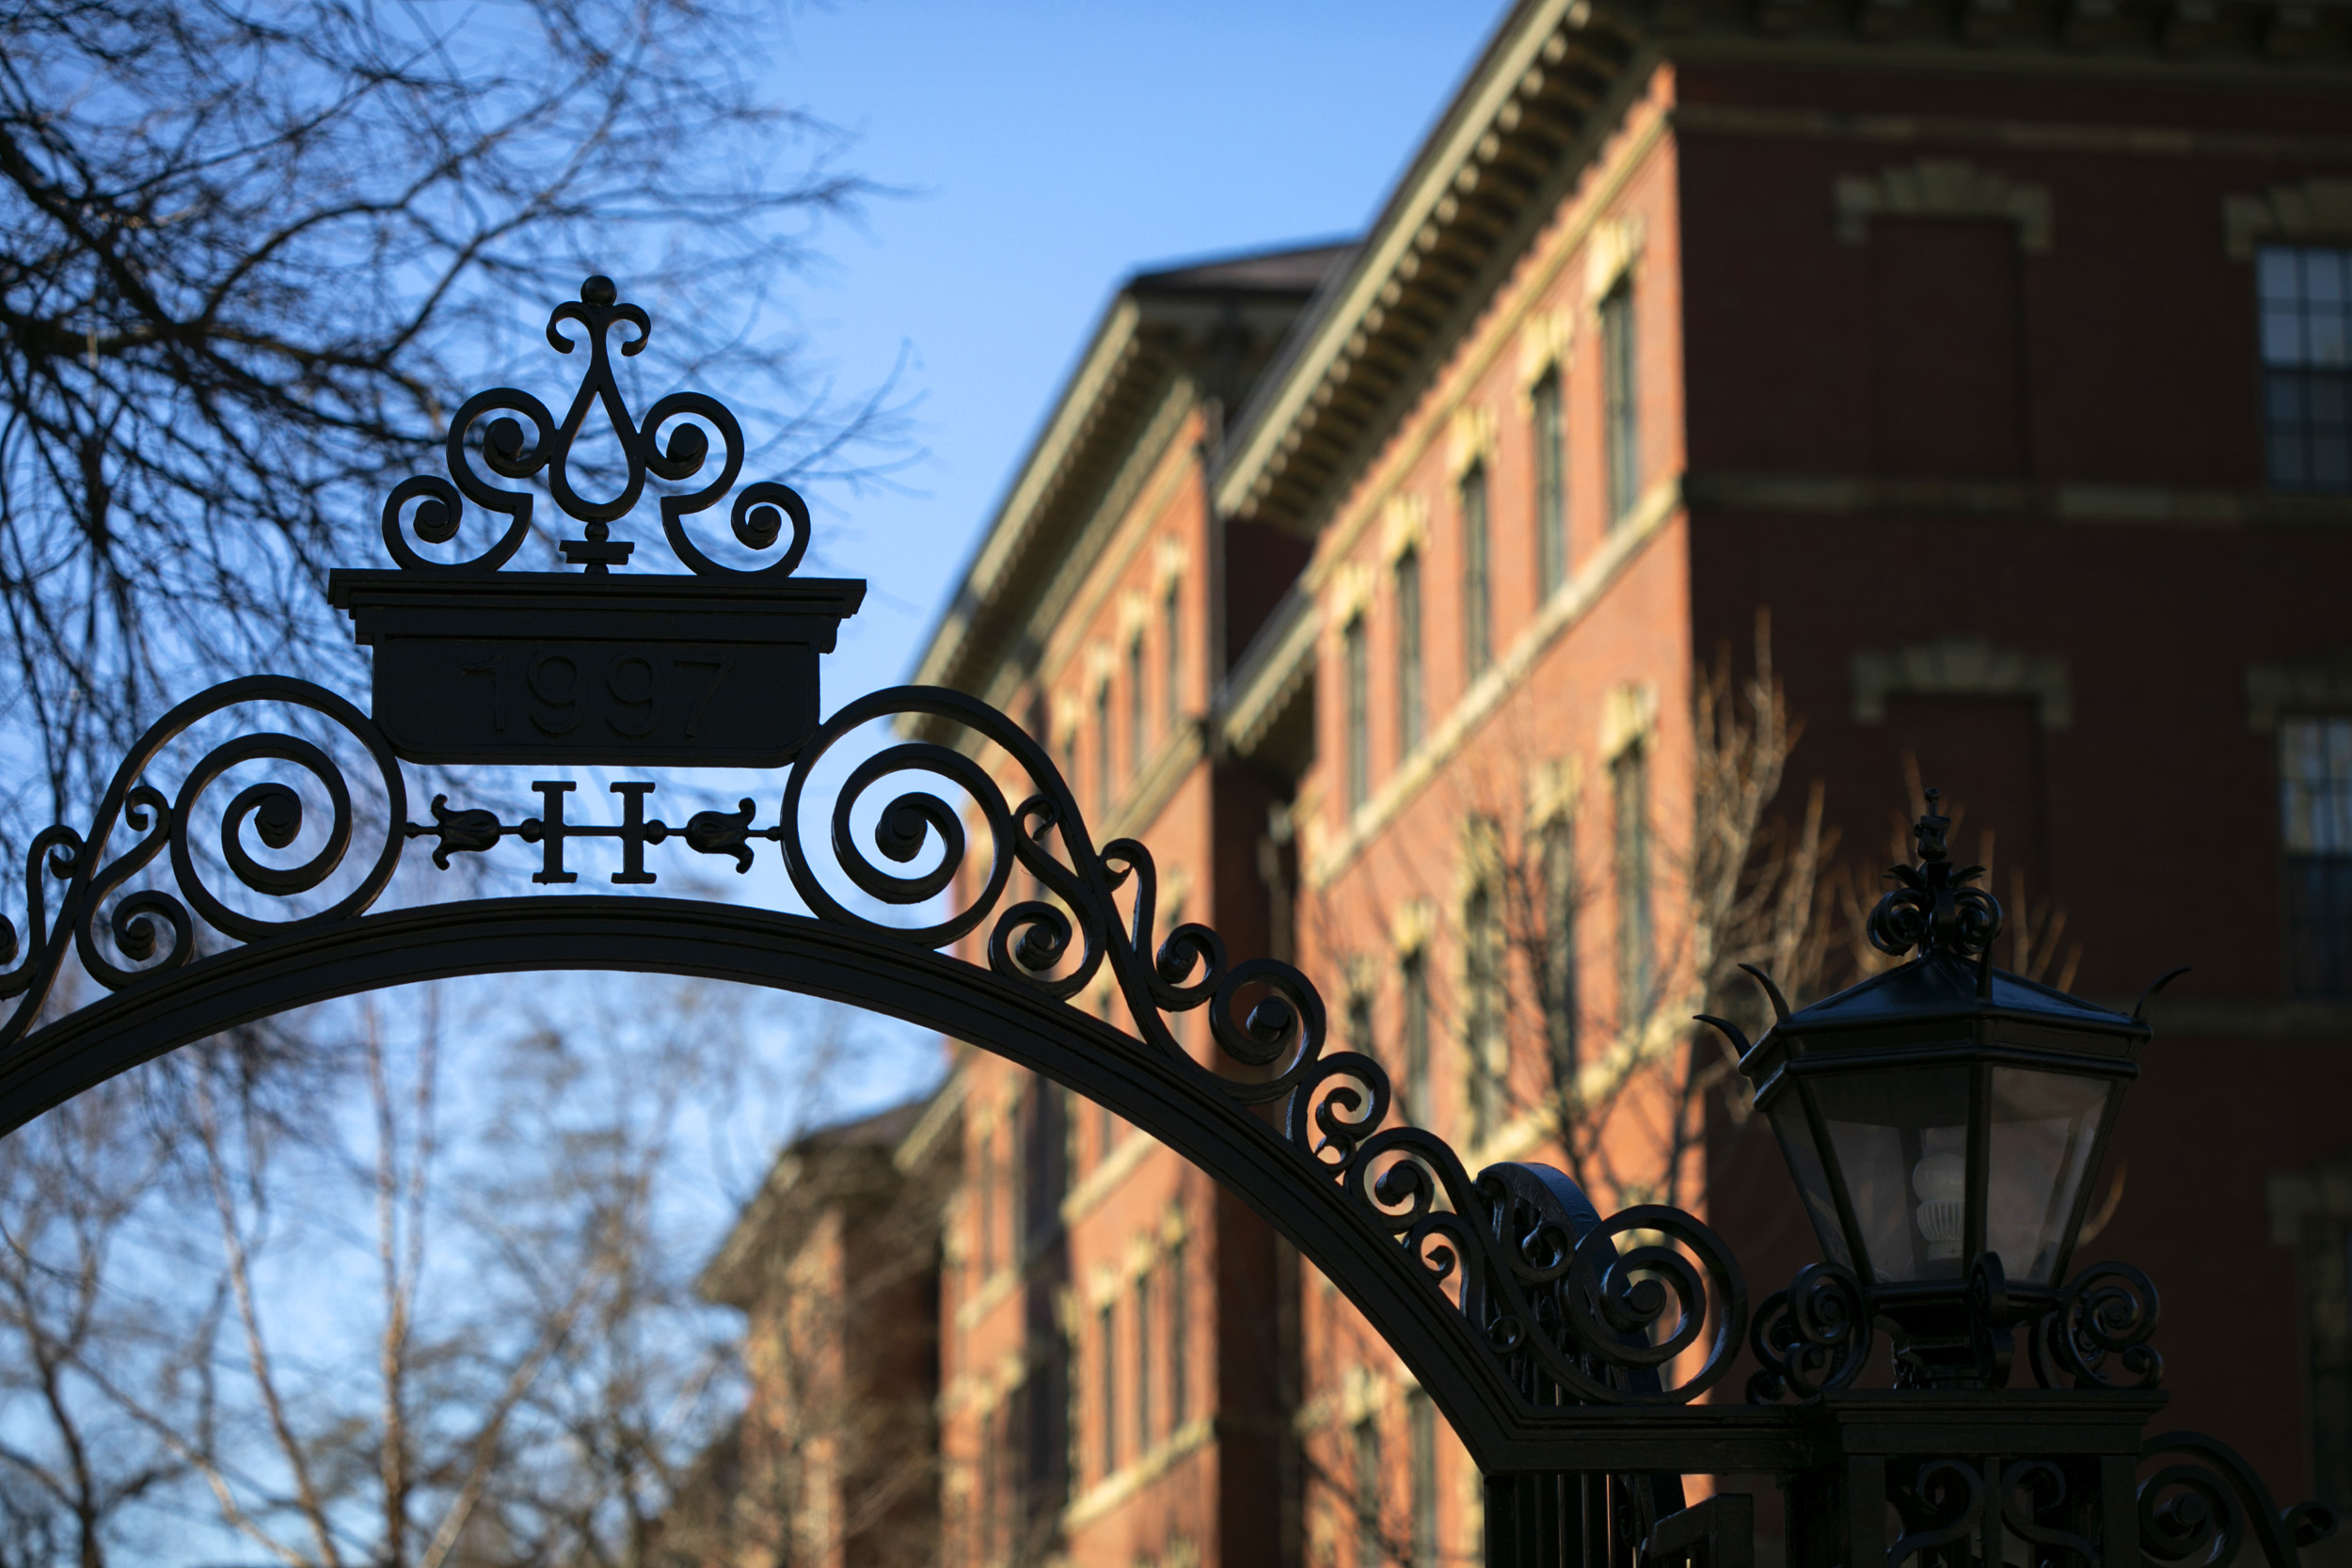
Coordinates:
x,y
1404,525
1349,595
1961,666
1481,865
1412,927
1470,440
1941,188
1167,564
1629,715
1545,342
1611,253
1553,789
1135,613
2314,210
2273,690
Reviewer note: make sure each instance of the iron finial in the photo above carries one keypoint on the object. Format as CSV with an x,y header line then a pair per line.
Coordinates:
x,y
1935,909
1931,832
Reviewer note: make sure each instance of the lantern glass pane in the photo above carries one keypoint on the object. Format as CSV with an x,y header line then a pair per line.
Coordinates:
x,y
2044,1126
1805,1162
1902,1138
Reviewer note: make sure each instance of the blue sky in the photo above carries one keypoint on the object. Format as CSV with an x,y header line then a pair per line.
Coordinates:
x,y
1049,149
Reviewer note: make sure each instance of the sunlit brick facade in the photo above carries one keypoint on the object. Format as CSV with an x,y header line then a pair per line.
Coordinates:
x,y
1995,360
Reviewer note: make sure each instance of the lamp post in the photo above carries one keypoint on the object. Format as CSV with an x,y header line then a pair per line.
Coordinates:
x,y
1943,1120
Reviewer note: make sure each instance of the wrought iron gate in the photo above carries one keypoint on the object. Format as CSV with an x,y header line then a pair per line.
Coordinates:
x,y
1570,1351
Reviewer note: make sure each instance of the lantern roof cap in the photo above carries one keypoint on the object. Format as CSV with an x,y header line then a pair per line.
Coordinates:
x,y
1947,925
1939,983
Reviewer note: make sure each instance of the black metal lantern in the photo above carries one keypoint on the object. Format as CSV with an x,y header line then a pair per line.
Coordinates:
x,y
1944,1120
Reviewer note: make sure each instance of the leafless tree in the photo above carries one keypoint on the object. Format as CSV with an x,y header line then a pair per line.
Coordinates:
x,y
249,254
438,1311
1618,1091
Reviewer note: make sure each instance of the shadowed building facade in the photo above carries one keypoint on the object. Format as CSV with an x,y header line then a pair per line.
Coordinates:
x,y
1996,355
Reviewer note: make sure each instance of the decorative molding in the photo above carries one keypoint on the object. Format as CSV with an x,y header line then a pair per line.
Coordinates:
x,y
2321,685
1849,493
1167,564
1135,613
1469,440
1413,928
1348,595
1545,342
1615,247
1961,666
1941,188
2314,210
1629,713
1553,789
1404,525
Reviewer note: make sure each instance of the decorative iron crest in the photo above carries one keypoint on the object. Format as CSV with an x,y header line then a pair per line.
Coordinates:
x,y
717,666
758,518
1935,909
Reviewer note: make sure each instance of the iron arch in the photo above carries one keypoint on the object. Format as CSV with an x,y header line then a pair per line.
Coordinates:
x,y
1520,1313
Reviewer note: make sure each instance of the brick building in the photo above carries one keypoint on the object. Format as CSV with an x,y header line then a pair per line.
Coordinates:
x,y
1998,354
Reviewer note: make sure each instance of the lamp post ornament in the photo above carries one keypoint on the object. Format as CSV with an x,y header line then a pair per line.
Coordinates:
x,y
1943,1120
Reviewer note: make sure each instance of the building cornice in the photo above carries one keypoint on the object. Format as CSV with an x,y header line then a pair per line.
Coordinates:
x,y
1110,355
1500,144
1541,101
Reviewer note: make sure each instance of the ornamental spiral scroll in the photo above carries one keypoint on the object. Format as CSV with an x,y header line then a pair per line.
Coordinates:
x,y
1575,1306
433,508
2202,1506
123,935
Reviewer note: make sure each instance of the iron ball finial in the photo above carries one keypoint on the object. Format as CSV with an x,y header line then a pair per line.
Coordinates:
x,y
599,291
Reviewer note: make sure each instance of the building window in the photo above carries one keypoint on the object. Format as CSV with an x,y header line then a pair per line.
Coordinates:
x,y
1620,388
1368,1551
1105,773
1408,699
1143,1363
1482,1012
1557,850
2306,365
1477,592
1628,778
1179,1345
1421,1419
1171,657
1105,1331
1138,696
1416,1038
1354,671
2315,813
1359,1017
1552,484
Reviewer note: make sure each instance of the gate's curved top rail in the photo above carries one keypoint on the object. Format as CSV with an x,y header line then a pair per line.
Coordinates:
x,y
1510,1309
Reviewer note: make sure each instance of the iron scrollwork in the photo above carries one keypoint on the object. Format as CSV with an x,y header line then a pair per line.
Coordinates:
x,y
434,507
2104,1317
123,935
1814,1336
2202,1506
1578,1308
